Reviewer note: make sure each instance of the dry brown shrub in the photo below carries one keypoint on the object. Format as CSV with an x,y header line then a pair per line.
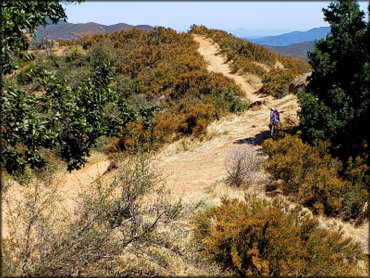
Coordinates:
x,y
261,238
242,166
312,176
128,226
195,119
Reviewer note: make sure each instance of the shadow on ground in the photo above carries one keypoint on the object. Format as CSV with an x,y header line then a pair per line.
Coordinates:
x,y
257,140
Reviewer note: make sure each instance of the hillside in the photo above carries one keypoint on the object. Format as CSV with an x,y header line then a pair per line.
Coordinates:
x,y
264,69
194,169
65,30
298,50
159,69
205,91
293,37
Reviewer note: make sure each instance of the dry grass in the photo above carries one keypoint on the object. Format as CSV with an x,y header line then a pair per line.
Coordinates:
x,y
254,80
194,170
278,65
58,51
216,63
265,67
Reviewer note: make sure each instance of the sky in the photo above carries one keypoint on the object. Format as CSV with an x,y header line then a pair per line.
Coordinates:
x,y
225,15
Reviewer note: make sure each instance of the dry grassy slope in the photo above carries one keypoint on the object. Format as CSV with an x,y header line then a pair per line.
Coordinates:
x,y
216,63
199,172
190,171
195,170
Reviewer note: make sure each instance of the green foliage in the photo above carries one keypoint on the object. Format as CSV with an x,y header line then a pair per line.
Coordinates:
x,y
276,82
25,76
228,101
163,69
20,19
125,86
61,118
162,78
74,52
356,192
336,104
311,175
67,120
261,238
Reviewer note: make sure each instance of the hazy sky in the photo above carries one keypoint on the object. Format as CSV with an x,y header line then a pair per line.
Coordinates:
x,y
285,15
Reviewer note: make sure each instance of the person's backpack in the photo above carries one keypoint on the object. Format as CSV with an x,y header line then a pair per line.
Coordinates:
x,y
276,117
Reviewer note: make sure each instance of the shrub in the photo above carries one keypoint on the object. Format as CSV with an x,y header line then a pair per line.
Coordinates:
x,y
27,75
164,128
356,191
158,68
125,86
309,172
269,239
241,166
312,176
227,101
74,52
195,119
276,82
243,56
116,228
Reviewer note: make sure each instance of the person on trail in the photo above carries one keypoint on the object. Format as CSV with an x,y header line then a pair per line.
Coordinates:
x,y
274,117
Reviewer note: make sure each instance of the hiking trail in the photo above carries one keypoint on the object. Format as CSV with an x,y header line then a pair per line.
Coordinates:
x,y
198,172
195,169
190,171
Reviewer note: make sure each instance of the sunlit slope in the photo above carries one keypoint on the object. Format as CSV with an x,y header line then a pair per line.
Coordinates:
x,y
264,68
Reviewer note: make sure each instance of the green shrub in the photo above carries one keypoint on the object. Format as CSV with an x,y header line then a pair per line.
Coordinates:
x,y
227,101
276,82
163,68
160,68
356,191
27,75
125,86
259,238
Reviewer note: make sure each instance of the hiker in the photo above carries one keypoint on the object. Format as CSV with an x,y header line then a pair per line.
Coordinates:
x,y
274,117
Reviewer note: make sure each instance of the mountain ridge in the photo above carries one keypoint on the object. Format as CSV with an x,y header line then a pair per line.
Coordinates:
x,y
298,50
256,33
293,37
66,30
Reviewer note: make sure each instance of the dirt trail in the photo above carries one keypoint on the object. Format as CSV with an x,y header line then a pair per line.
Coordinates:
x,y
190,171
216,63
198,172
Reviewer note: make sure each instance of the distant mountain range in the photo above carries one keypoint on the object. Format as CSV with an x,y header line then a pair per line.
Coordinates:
x,y
294,44
298,50
65,30
293,37
255,33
